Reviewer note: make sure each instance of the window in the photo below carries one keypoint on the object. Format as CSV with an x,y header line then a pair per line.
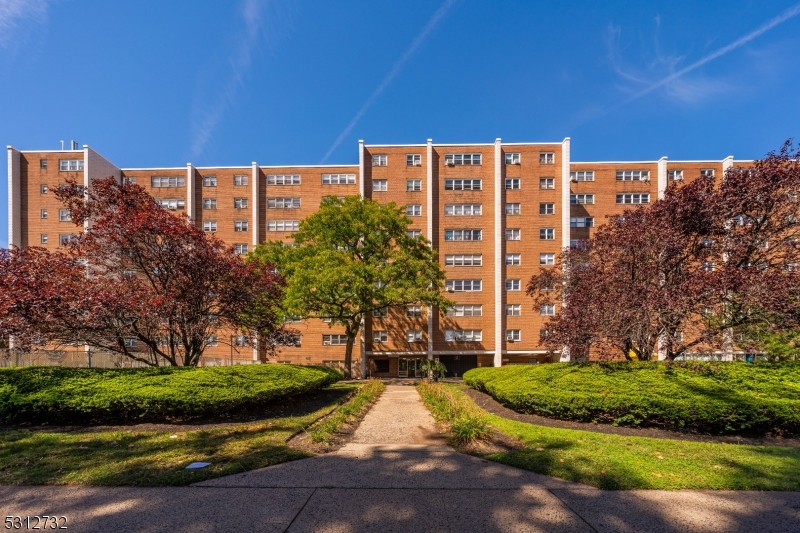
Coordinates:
x,y
209,181
543,334
413,185
513,310
414,335
380,335
240,203
42,189
241,340
708,266
462,210
513,234
513,335
334,340
283,179
70,165
413,233
212,340
547,234
635,198
547,158
380,160
512,285
676,175
707,172
129,342
547,259
171,203
463,235
240,180
43,238
581,175
512,183
65,239
547,209
240,225
706,242
547,309
283,225
381,312
240,249
43,213
581,222
338,179
465,310
128,180
292,319
463,285
791,266
581,198
129,273
633,175
414,210
210,225
513,259
414,160
462,159
512,209
64,216
414,311
167,181
283,203
462,185
463,335
209,203
547,183
577,243
380,185
43,164
463,260
295,340
512,159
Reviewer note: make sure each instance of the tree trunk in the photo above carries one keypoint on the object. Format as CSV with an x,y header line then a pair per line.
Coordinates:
x,y
351,331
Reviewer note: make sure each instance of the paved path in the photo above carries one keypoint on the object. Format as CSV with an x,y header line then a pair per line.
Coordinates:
x,y
397,475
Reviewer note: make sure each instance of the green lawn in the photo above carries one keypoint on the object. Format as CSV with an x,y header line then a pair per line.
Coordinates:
x,y
155,458
717,398
622,462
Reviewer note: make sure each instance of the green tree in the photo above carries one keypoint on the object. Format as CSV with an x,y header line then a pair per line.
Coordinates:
x,y
353,257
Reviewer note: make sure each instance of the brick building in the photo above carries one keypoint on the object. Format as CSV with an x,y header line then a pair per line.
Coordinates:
x,y
495,212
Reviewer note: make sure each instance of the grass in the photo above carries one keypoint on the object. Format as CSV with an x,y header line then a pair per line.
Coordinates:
x,y
466,423
91,395
717,398
324,430
154,458
623,462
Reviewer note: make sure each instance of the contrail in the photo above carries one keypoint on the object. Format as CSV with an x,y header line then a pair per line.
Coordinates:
x,y
783,17
418,40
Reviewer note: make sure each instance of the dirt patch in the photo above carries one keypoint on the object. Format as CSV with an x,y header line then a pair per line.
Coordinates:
x,y
292,406
496,408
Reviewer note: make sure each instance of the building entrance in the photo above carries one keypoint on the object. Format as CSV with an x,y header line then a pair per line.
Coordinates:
x,y
408,368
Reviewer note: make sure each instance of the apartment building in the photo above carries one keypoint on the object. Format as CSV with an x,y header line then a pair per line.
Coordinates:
x,y
495,212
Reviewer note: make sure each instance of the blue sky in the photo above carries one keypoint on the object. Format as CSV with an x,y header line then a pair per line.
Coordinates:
x,y
161,83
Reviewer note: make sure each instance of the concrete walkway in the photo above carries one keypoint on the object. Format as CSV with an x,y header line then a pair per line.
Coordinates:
x,y
398,475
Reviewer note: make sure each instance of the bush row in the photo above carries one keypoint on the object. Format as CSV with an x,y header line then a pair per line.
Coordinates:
x,y
56,395
717,398
466,421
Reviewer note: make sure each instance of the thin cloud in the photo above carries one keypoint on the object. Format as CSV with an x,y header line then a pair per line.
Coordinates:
x,y
208,116
19,20
415,44
692,89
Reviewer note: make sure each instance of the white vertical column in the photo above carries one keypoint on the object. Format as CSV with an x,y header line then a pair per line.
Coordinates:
x,y
662,177
361,189
255,176
86,181
14,198
565,212
191,206
726,164
429,235
498,253
361,167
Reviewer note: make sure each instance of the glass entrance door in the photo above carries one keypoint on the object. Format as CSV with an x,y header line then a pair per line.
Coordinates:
x,y
402,368
408,368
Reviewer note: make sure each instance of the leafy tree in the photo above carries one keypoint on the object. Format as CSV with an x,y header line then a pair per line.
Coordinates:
x,y
353,257
137,272
681,274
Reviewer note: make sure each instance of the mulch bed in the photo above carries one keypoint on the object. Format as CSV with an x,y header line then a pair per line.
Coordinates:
x,y
491,405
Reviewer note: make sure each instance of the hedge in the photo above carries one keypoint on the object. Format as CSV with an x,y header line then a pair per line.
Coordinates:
x,y
57,395
716,398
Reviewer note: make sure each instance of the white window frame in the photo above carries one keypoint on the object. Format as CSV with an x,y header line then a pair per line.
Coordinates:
x,y
159,182
414,335
283,225
463,184
240,225
240,203
549,208
380,160
414,210
513,158
547,234
581,222
708,172
283,179
547,184
209,226
513,309
581,199
380,336
413,233
513,335
513,259
453,235
581,175
240,180
70,165
547,310
413,160
676,175
463,335
283,202
413,185
463,285
463,210
240,249
463,260
209,203
635,198
413,311
513,285
462,159
547,259
43,214
547,158
380,185
513,184
513,234
209,181
633,175
338,179
334,340
465,310
64,216
171,204
512,209
43,238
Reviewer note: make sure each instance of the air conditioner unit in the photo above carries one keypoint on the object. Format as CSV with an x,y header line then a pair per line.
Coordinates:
x,y
417,163
573,179
645,178
450,163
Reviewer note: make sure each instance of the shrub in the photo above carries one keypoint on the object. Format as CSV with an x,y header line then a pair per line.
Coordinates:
x,y
718,398
367,394
57,395
467,423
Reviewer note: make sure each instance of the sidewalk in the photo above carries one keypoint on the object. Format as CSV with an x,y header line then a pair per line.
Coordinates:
x,y
398,475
